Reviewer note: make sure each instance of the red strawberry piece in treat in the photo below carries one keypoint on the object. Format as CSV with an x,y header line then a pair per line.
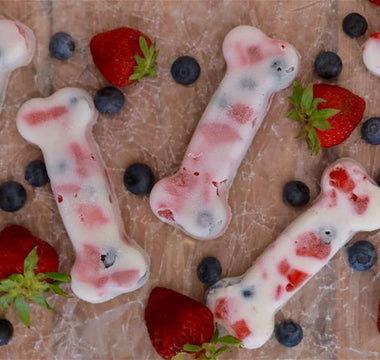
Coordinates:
x,y
28,269
124,55
328,114
376,2
179,326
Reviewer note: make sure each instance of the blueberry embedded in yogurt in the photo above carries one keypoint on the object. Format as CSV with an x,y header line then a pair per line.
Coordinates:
x,y
61,46
371,54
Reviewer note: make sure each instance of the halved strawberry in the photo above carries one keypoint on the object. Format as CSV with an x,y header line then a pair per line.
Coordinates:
x,y
177,323
328,114
28,269
124,55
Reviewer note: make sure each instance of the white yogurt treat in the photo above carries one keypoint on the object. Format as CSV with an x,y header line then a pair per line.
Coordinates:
x,y
108,262
349,202
195,198
371,53
17,47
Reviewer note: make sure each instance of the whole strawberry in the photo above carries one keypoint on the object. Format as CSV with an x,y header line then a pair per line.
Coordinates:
x,y
124,55
328,114
28,269
177,323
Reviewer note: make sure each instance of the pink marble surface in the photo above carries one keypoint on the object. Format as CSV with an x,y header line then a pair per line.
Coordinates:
x,y
337,309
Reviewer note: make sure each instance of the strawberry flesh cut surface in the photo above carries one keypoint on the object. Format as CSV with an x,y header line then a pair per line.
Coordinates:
x,y
351,112
173,320
113,53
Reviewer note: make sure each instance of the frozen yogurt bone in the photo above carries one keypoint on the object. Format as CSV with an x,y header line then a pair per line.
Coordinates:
x,y
108,262
17,46
349,202
195,198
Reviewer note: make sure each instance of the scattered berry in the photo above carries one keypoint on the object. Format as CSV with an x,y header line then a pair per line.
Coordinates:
x,y
124,55
328,65
173,320
355,25
12,196
109,100
362,255
61,46
36,174
289,333
139,179
296,193
6,331
327,113
371,131
209,270
185,70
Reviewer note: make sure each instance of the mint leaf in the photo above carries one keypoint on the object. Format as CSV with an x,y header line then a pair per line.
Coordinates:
x,y
306,99
30,263
192,348
293,115
61,277
22,310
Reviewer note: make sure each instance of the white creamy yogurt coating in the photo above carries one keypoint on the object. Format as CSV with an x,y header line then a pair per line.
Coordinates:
x,y
195,198
371,54
17,47
349,202
108,262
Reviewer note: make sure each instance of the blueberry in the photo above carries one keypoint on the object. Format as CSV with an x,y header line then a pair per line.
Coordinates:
x,y
12,196
61,46
139,179
109,100
371,131
36,174
185,70
362,255
355,25
209,270
296,193
328,65
289,333
6,331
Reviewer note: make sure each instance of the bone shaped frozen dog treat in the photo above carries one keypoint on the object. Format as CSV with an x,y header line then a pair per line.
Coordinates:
x,y
349,202
17,46
108,262
371,53
195,198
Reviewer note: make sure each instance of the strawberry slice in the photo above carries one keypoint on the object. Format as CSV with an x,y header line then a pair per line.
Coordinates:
x,y
177,323
28,269
328,113
124,55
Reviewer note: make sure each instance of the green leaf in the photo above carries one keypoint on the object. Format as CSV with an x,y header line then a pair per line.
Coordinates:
x,y
146,65
313,141
22,310
192,348
315,103
7,284
293,115
5,301
215,335
61,277
222,350
321,124
144,47
57,290
307,98
230,340
40,300
323,114
30,263
295,99
181,356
